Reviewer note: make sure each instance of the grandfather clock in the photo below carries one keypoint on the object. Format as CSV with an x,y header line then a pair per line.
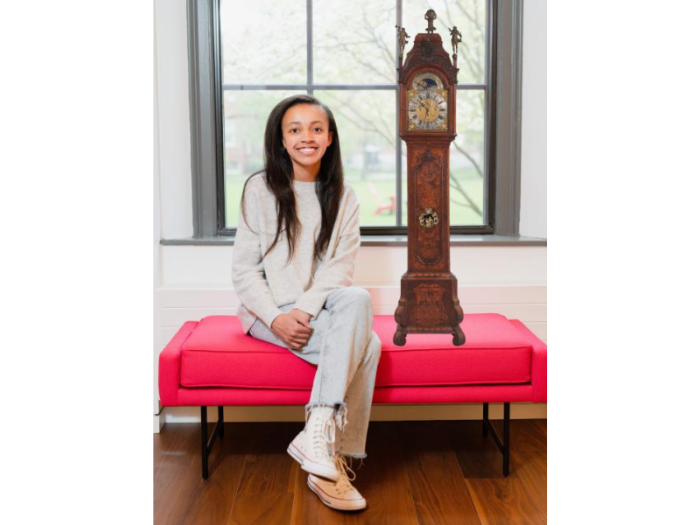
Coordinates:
x,y
427,82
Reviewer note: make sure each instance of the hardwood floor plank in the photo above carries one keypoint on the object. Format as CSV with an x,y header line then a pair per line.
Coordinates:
x,y
262,509
175,449
504,502
528,435
522,496
383,478
205,502
437,483
532,469
266,490
478,455
166,443
269,468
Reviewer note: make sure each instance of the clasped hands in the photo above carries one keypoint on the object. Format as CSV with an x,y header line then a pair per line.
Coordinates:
x,y
293,328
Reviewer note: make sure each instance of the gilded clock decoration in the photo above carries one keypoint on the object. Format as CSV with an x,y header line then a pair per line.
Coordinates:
x,y
429,218
402,37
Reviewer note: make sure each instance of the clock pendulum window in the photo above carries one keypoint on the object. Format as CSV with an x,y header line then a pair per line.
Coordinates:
x,y
427,79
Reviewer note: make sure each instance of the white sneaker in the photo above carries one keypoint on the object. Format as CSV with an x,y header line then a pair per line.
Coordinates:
x,y
339,495
314,447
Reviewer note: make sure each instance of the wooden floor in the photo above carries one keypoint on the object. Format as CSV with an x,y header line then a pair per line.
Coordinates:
x,y
429,473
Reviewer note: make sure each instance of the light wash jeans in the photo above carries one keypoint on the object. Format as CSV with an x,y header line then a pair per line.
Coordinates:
x,y
346,351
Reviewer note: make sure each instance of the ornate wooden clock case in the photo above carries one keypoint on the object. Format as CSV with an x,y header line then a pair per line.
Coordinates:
x,y
429,302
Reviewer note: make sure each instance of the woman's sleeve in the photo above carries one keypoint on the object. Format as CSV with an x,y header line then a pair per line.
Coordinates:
x,y
248,274
339,270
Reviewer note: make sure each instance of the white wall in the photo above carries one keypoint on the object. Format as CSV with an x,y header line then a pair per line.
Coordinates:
x,y
174,118
533,204
194,281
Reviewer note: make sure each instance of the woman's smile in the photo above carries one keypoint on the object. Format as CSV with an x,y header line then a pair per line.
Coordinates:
x,y
308,149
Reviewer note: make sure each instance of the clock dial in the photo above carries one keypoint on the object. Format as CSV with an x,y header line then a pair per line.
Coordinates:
x,y
427,110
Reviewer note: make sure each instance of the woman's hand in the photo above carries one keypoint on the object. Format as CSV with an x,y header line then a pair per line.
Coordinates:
x,y
293,328
301,316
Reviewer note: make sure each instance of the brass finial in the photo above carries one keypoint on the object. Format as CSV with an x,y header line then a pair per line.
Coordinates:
x,y
430,16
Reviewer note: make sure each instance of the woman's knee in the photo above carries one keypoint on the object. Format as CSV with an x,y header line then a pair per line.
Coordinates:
x,y
374,348
357,293
356,296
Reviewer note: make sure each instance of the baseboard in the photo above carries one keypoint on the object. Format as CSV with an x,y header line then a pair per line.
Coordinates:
x,y
379,413
158,422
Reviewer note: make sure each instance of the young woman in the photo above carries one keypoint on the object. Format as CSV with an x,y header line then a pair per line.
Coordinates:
x,y
293,265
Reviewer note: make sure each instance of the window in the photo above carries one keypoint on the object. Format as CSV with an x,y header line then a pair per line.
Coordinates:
x,y
345,53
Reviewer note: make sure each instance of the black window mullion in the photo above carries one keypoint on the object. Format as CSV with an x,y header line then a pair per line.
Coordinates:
x,y
490,117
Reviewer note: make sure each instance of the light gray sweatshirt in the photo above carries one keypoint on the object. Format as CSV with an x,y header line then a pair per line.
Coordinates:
x,y
263,285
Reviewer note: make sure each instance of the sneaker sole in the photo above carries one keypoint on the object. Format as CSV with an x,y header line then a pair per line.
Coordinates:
x,y
312,467
335,504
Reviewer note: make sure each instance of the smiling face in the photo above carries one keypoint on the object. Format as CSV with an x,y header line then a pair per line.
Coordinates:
x,y
306,136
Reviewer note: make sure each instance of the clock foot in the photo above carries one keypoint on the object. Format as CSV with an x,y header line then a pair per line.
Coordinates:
x,y
458,338
399,338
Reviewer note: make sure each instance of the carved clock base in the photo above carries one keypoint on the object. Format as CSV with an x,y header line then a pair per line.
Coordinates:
x,y
429,305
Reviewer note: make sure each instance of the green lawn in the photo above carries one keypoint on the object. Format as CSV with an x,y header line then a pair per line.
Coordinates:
x,y
459,215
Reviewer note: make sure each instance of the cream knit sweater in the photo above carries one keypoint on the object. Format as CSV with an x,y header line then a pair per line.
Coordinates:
x,y
265,285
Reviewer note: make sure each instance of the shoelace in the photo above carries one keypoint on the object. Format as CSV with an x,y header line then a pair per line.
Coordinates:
x,y
324,436
324,431
343,484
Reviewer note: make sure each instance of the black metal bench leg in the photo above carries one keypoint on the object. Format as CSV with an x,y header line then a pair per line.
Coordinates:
x,y
205,451
485,420
503,445
506,438
207,440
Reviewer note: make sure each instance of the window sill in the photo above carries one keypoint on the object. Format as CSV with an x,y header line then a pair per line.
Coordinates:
x,y
385,240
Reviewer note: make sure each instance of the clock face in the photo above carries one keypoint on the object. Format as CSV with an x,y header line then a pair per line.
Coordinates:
x,y
427,110
427,104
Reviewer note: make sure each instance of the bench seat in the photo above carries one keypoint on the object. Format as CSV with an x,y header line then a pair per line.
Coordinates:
x,y
212,362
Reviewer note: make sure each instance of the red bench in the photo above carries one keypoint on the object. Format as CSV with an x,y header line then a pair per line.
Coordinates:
x,y
214,363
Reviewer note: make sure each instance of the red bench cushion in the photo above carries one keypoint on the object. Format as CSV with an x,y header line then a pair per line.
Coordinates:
x,y
218,354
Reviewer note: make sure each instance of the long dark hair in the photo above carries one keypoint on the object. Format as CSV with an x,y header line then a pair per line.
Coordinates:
x,y
279,177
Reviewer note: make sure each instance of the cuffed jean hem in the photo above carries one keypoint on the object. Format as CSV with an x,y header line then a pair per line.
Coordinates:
x,y
351,455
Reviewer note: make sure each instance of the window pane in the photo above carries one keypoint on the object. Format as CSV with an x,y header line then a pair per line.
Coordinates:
x,y
367,130
470,18
263,42
245,117
354,42
466,163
